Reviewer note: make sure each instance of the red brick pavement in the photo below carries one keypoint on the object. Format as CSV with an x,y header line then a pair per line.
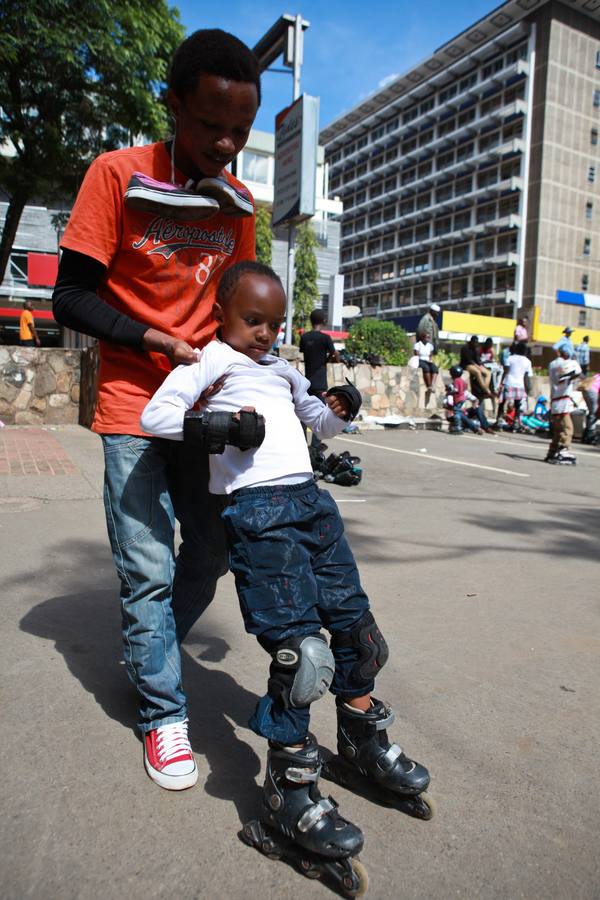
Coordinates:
x,y
32,451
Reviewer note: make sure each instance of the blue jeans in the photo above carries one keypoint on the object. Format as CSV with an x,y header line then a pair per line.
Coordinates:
x,y
148,482
294,573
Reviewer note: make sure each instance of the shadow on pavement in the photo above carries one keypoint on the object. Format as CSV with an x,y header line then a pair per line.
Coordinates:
x,y
84,627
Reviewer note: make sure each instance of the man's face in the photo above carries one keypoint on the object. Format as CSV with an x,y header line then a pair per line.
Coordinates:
x,y
251,317
212,124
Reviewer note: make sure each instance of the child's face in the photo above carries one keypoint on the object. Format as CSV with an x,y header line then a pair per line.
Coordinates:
x,y
251,318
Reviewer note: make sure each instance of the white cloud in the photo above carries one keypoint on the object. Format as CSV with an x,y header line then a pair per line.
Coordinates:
x,y
388,79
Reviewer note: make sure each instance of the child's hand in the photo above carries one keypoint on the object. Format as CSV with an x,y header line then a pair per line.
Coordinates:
x,y
209,392
338,405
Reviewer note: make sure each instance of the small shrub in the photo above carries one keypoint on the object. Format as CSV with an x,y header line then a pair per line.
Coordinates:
x,y
372,336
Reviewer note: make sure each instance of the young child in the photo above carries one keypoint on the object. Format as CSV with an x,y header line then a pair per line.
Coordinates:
x,y
562,372
456,395
293,568
516,384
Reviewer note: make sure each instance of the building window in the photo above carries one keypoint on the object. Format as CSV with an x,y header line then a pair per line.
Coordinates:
x,y
255,167
592,174
587,245
594,137
582,318
585,282
597,99
589,209
598,59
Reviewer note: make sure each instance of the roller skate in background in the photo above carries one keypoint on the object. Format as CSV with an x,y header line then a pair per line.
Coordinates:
x,y
300,826
372,767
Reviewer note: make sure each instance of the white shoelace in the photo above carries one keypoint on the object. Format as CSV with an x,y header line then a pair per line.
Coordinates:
x,y
172,741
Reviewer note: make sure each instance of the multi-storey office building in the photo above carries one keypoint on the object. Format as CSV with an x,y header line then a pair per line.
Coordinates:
x,y
472,179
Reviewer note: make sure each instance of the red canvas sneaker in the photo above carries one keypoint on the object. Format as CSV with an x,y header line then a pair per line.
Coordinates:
x,y
168,757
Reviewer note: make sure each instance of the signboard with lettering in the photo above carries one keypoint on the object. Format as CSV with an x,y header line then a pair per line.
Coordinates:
x,y
296,134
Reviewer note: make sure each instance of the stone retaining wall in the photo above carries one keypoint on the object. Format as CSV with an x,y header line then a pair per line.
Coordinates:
x,y
39,386
58,387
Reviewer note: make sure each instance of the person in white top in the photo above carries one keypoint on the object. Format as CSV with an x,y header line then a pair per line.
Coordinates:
x,y
562,373
515,384
294,570
423,350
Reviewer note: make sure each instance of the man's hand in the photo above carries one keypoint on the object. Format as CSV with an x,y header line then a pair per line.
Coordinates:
x,y
177,352
338,405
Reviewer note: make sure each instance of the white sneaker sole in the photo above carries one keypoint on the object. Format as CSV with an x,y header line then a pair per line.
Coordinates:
x,y
171,782
180,207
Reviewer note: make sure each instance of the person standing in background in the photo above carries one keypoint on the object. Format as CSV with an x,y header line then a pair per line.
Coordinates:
x,y
429,327
582,354
28,336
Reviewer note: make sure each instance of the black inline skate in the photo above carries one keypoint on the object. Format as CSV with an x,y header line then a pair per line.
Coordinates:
x,y
303,827
372,767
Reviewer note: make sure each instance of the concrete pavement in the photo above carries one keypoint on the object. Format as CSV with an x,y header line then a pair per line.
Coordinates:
x,y
482,567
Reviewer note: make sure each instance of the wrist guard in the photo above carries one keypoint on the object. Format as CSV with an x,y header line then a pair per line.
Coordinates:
x,y
210,432
352,397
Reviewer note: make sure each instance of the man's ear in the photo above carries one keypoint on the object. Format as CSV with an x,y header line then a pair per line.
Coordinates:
x,y
218,313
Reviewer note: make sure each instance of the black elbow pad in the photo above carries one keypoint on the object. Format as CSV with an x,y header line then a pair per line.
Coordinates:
x,y
210,432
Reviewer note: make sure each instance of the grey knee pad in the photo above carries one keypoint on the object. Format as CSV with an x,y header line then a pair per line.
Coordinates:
x,y
302,670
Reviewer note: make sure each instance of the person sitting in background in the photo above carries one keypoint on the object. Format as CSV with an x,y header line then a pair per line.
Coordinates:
x,y
582,354
470,361
424,350
488,359
516,384
456,395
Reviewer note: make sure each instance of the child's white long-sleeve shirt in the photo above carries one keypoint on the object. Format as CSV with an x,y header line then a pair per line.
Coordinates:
x,y
274,388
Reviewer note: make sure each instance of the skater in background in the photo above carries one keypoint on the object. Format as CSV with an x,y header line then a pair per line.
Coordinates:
x,y
565,343
457,394
138,270
294,570
562,373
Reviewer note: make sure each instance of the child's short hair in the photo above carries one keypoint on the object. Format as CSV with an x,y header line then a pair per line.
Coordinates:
x,y
230,278
214,52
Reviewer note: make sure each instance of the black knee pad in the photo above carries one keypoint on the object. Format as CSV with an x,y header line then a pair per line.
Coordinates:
x,y
302,670
366,638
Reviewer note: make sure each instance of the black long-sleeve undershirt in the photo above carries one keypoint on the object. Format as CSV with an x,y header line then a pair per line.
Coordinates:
x,y
76,304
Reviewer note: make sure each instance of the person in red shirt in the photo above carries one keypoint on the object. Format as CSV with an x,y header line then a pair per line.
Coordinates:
x,y
142,254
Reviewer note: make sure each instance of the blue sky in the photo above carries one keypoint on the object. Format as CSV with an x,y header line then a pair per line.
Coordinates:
x,y
350,48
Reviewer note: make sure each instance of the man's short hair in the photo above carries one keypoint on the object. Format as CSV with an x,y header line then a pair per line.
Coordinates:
x,y
317,317
212,51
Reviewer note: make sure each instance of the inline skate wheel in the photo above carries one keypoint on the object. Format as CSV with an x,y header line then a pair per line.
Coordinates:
x,y
309,869
424,807
351,888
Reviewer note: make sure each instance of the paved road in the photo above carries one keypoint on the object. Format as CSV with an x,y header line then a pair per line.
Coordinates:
x,y
482,566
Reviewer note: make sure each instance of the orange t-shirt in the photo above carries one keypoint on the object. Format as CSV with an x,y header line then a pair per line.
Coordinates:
x,y
160,272
25,323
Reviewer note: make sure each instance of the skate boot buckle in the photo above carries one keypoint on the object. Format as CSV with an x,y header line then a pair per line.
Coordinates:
x,y
302,776
316,812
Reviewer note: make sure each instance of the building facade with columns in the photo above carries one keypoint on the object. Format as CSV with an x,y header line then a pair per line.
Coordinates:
x,y
472,180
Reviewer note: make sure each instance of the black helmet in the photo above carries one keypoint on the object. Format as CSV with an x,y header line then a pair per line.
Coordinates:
x,y
456,371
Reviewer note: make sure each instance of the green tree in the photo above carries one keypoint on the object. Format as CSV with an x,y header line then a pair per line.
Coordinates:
x,y
76,77
380,338
306,292
264,236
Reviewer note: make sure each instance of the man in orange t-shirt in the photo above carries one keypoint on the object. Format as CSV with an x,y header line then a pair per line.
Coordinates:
x,y
142,255
28,336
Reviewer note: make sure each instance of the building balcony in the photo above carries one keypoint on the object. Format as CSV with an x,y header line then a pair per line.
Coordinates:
x,y
405,131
